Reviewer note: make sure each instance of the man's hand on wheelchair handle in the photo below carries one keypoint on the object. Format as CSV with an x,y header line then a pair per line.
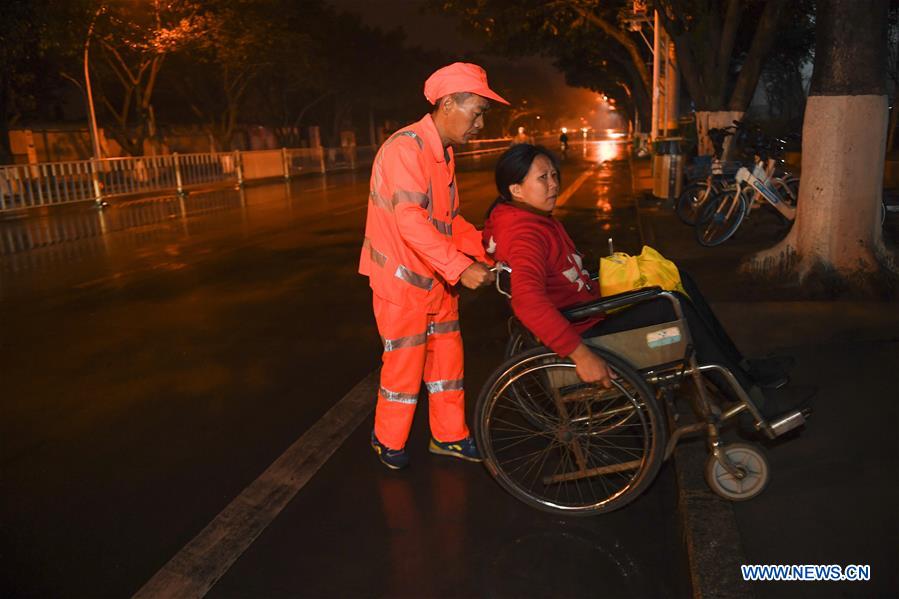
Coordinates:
x,y
590,368
477,275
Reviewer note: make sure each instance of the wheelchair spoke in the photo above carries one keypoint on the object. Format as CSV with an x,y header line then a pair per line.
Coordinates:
x,y
546,454
514,428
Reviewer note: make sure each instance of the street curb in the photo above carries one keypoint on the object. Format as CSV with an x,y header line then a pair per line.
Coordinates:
x,y
709,529
707,523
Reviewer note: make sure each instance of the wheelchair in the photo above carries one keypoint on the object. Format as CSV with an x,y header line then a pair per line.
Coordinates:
x,y
568,447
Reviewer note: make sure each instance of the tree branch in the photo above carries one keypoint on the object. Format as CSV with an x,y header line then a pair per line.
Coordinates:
x,y
731,25
299,119
151,81
120,61
622,38
112,67
686,60
761,46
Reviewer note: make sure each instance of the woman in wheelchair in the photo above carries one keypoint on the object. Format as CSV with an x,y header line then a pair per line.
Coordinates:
x,y
548,275
591,440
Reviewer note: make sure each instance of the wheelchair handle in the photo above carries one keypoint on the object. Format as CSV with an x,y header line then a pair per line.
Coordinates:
x,y
498,269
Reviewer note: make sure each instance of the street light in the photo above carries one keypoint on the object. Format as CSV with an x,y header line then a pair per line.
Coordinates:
x,y
95,141
92,116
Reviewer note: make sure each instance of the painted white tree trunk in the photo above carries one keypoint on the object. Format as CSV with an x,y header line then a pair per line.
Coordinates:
x,y
837,224
706,120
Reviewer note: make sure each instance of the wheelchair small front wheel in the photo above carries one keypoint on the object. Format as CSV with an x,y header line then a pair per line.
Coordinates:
x,y
752,466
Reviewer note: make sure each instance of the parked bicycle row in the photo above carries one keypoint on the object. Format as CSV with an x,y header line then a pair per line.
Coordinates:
x,y
717,205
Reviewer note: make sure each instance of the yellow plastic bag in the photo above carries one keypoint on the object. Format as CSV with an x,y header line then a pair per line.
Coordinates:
x,y
622,272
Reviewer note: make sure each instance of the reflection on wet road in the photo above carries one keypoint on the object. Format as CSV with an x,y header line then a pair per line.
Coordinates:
x,y
85,243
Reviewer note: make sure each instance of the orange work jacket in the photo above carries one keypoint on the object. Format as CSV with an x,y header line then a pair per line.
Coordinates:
x,y
416,242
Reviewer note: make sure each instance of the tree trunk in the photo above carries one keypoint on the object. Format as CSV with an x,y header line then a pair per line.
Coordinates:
x,y
762,42
704,52
836,239
705,120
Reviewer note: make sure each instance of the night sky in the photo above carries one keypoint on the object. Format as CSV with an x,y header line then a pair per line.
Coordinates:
x,y
444,32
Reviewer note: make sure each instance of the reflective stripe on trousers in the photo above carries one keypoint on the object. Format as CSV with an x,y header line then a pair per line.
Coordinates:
x,y
419,347
420,338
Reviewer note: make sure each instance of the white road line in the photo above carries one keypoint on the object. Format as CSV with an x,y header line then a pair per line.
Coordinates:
x,y
574,187
206,558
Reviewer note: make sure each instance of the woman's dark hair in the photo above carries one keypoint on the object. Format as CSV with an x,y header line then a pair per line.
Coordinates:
x,y
513,166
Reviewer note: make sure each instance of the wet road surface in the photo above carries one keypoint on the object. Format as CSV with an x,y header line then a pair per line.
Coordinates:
x,y
157,356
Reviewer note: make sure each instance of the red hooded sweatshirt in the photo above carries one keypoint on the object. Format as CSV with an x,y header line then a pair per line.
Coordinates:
x,y
547,273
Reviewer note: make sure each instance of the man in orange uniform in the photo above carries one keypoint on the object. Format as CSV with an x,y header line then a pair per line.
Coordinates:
x,y
417,248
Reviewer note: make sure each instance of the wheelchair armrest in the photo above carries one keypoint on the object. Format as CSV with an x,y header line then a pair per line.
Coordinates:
x,y
604,304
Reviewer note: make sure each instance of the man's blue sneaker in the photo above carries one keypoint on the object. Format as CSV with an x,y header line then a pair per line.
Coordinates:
x,y
464,449
392,458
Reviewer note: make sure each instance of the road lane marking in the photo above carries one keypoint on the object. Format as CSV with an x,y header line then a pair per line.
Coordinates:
x,y
194,570
573,187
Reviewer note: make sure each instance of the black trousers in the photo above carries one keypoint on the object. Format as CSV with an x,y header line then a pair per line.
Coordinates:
x,y
710,340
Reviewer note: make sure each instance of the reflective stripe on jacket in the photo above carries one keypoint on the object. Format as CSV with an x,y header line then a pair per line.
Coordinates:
x,y
415,239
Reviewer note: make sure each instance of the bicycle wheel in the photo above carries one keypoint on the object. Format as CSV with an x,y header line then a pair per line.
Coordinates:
x,y
792,185
571,447
788,189
721,217
690,201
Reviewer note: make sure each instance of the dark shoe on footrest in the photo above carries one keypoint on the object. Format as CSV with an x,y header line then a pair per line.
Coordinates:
x,y
783,401
776,403
769,372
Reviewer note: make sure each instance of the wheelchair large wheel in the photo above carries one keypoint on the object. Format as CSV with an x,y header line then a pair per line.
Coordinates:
x,y
564,446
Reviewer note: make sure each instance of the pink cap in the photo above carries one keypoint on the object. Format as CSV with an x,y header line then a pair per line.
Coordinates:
x,y
459,77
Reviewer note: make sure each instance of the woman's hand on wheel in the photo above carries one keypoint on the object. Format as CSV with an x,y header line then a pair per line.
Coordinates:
x,y
590,368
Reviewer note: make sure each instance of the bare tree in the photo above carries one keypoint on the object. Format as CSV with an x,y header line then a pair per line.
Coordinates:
x,y
134,43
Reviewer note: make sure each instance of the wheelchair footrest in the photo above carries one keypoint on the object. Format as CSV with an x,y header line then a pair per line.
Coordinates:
x,y
789,421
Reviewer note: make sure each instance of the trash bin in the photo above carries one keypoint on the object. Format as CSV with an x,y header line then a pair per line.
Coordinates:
x,y
667,167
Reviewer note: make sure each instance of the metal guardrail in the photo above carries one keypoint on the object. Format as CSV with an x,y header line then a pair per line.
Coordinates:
x,y
29,185
52,183
25,186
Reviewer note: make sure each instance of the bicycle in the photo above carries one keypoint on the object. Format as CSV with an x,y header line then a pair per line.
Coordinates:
x,y
722,215
696,194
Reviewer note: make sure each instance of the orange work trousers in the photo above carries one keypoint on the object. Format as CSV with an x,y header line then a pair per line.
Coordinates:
x,y
420,344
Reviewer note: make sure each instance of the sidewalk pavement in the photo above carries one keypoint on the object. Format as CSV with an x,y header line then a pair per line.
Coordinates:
x,y
834,490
